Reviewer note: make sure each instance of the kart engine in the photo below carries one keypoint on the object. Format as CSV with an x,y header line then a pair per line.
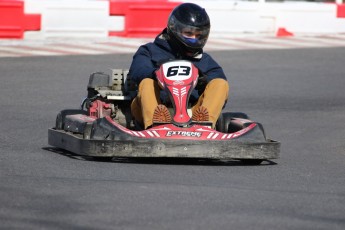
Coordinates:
x,y
98,109
110,95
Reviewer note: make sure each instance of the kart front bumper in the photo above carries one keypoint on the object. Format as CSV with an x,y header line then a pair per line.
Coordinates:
x,y
139,147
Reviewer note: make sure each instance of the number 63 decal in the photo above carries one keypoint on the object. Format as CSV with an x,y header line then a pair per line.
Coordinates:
x,y
178,71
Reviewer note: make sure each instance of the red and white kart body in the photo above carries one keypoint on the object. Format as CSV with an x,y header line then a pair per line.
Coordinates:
x,y
104,127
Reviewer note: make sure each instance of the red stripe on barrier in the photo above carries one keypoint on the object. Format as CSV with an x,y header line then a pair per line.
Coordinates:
x,y
142,18
117,7
341,11
13,21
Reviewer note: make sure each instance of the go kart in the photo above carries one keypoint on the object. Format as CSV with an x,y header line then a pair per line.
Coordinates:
x,y
104,127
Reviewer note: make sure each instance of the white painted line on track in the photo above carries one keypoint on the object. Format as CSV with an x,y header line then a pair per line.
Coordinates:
x,y
15,48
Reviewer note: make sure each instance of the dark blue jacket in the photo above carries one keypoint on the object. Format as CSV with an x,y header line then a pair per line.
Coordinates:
x,y
149,56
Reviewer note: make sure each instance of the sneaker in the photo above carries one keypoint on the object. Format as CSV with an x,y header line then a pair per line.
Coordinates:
x,y
161,114
201,114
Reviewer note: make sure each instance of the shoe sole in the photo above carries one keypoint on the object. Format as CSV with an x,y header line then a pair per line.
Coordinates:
x,y
201,114
161,115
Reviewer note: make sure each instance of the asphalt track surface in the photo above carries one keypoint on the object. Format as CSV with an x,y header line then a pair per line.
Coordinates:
x,y
298,95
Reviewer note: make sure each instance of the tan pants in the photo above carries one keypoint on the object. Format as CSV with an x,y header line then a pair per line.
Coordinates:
x,y
213,98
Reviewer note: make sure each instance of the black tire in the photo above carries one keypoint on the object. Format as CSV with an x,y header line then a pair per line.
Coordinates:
x,y
59,122
223,122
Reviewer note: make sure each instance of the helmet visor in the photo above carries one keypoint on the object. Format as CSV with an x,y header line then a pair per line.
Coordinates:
x,y
191,36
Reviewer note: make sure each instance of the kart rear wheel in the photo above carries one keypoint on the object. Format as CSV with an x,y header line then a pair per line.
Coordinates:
x,y
224,120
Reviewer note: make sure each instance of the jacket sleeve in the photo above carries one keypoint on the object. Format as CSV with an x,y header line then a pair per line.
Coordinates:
x,y
142,66
211,69
208,70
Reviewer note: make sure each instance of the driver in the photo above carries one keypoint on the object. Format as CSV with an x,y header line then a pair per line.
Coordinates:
x,y
183,38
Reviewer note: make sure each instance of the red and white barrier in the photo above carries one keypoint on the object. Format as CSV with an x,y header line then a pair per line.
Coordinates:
x,y
64,18
13,20
279,18
340,10
141,18
44,19
311,18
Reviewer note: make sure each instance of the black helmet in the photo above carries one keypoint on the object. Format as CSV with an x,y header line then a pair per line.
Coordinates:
x,y
190,18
